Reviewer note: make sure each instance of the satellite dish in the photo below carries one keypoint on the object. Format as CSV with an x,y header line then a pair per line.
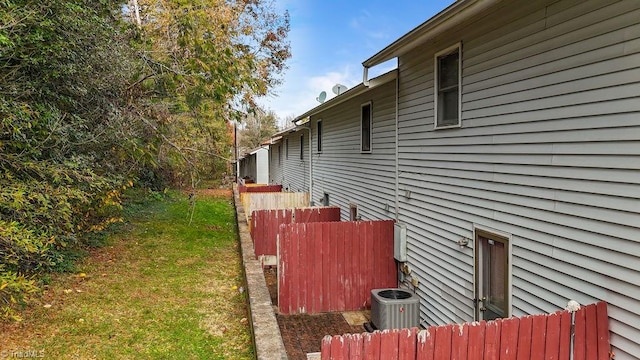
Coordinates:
x,y
339,89
322,97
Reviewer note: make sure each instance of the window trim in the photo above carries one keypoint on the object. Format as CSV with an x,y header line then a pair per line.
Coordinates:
x,y
447,51
319,131
362,106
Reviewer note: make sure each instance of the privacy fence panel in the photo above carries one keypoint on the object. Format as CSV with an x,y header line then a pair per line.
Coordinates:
x,y
333,266
274,200
265,224
544,337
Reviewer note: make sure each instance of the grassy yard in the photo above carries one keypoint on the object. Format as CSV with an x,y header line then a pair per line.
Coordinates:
x,y
159,289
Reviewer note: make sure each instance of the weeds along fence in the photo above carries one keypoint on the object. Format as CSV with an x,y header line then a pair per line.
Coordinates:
x,y
265,225
332,266
274,200
546,336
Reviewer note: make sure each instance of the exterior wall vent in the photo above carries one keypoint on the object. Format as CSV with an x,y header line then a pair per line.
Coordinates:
x,y
394,309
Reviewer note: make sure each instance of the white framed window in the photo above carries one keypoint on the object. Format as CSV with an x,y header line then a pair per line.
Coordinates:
x,y
319,136
366,126
448,87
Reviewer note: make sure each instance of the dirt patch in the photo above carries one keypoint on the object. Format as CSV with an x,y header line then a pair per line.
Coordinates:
x,y
215,192
213,227
271,277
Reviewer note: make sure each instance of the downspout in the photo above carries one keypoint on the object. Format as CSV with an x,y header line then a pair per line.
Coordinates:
x,y
397,150
310,164
365,76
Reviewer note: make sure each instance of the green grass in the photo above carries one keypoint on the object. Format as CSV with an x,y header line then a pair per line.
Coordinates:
x,y
159,289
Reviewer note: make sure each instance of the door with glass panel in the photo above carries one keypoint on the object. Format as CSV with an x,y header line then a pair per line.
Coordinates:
x,y
492,275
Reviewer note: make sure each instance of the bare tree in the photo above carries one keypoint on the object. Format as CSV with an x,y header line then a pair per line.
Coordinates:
x,y
256,128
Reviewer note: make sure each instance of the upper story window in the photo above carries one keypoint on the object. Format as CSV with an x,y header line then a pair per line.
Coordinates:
x,y
286,148
302,147
365,127
448,87
319,136
279,156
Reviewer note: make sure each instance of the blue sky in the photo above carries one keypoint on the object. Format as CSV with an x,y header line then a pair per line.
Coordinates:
x,y
330,39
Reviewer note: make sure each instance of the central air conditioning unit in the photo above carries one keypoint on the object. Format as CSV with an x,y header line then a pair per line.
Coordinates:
x,y
394,309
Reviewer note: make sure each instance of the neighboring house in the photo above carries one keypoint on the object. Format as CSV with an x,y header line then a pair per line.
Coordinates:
x,y
512,158
519,132
292,170
255,165
353,147
276,153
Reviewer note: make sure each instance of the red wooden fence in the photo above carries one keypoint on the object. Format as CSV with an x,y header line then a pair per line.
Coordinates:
x,y
333,266
543,337
265,224
260,188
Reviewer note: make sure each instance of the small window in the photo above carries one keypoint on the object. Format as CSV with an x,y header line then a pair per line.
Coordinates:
x,y
302,147
353,212
279,155
286,148
365,128
447,87
319,136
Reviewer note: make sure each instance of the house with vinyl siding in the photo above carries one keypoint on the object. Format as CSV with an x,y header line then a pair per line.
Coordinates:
x,y
255,165
508,144
518,159
290,159
275,160
353,150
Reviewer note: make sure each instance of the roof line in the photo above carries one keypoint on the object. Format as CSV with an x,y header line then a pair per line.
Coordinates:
x,y
351,93
449,17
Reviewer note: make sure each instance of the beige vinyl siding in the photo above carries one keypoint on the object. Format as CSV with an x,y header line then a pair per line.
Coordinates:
x,y
549,152
343,171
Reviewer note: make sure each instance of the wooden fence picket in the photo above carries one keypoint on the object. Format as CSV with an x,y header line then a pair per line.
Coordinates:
x,y
546,336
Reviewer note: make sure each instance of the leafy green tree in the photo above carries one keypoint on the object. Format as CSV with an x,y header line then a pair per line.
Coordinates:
x,y
255,129
64,69
91,102
204,63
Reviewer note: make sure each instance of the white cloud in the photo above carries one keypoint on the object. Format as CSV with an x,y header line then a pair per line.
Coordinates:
x,y
298,94
374,27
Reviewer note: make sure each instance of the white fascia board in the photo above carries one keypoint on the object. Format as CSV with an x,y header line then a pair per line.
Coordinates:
x,y
445,20
350,94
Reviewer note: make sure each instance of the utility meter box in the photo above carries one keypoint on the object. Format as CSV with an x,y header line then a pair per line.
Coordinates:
x,y
400,242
